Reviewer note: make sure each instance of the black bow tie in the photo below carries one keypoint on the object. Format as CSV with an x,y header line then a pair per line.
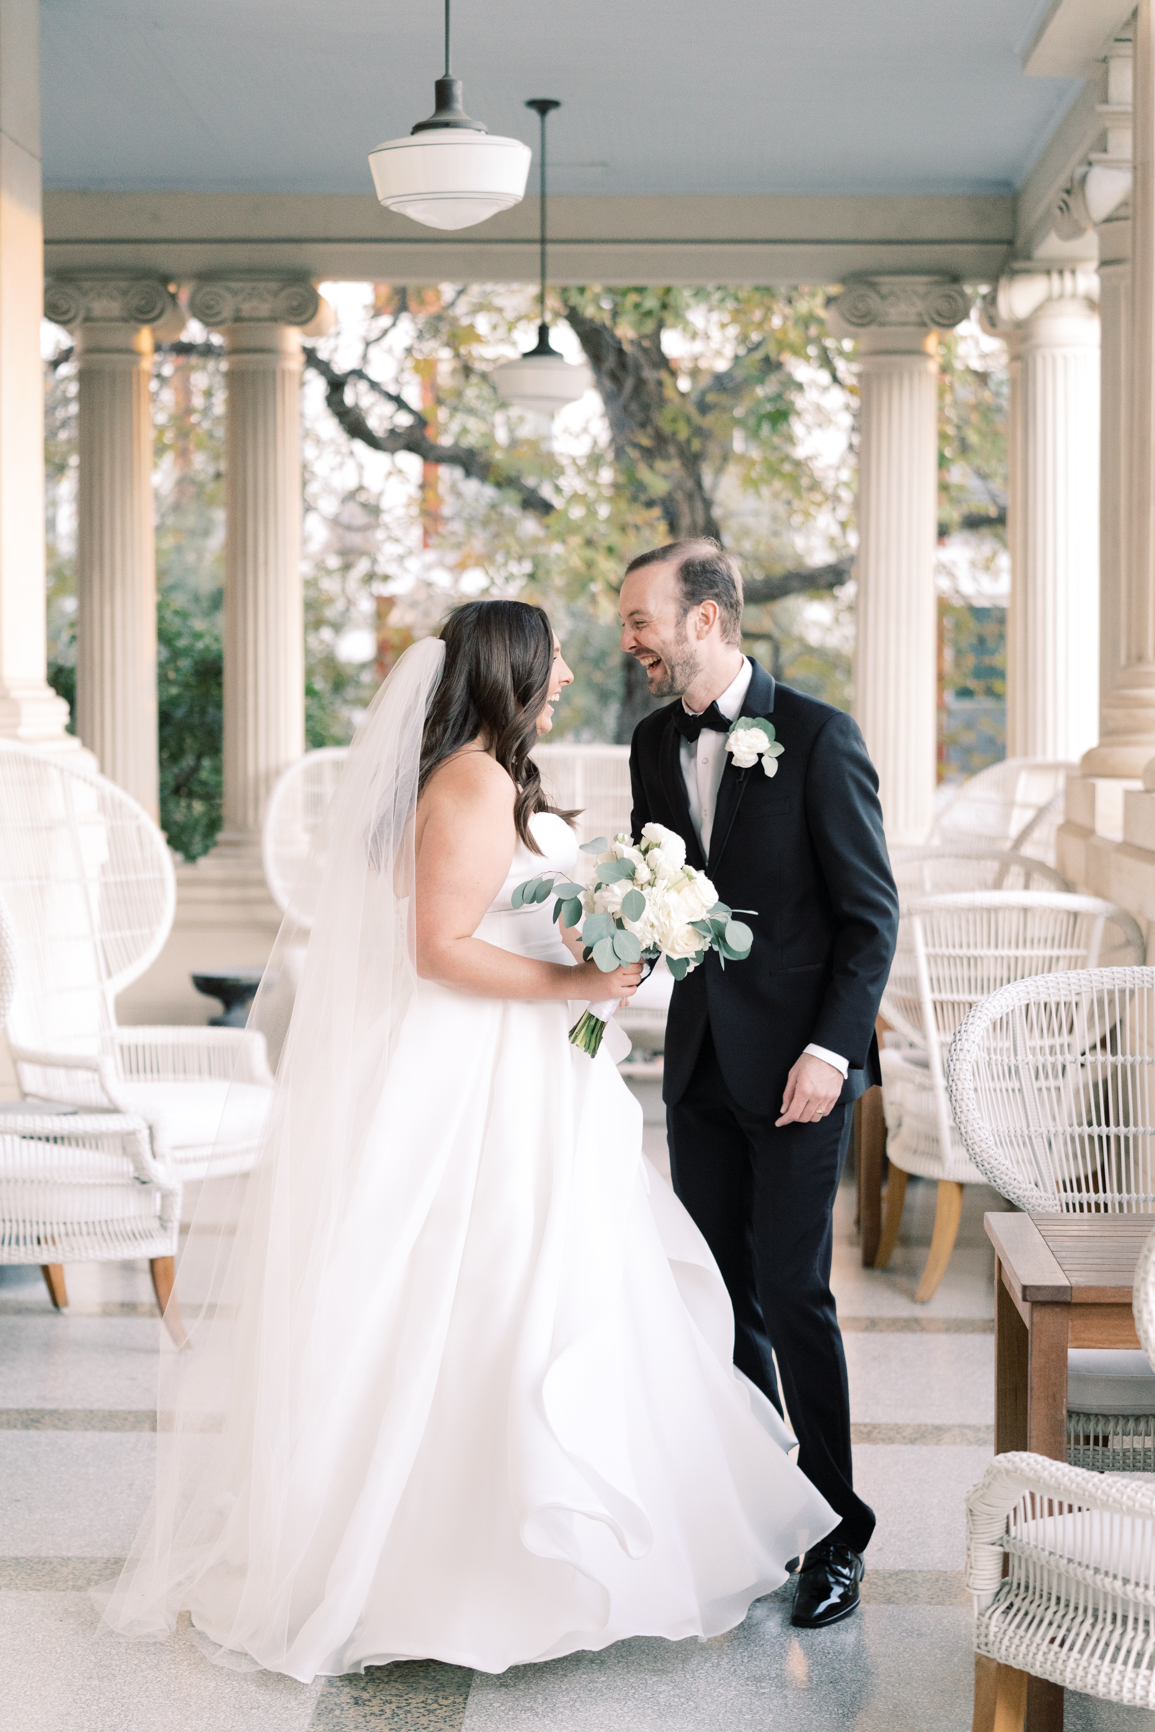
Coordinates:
x,y
690,726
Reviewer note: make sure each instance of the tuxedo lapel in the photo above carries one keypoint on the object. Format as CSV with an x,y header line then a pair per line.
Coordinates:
x,y
759,701
674,783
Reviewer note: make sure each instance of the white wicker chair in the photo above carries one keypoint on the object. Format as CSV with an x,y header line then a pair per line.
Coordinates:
x,y
952,952
80,1187
292,818
946,871
1077,1602
89,885
1016,805
1052,1083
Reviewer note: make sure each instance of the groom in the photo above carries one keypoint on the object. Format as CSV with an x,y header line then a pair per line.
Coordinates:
x,y
765,1059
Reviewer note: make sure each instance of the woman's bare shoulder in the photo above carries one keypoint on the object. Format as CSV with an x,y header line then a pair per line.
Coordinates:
x,y
470,780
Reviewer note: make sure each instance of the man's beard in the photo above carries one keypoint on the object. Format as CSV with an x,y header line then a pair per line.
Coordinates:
x,y
681,666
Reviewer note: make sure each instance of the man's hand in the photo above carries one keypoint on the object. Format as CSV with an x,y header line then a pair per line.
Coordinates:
x,y
812,1088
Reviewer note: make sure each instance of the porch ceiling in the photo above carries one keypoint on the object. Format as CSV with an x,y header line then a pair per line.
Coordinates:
x,y
752,121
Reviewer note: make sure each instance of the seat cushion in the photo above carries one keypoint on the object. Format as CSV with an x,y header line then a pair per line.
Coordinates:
x,y
1109,1380
188,1114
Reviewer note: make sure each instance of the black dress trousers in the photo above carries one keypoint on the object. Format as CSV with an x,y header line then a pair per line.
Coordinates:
x,y
763,1199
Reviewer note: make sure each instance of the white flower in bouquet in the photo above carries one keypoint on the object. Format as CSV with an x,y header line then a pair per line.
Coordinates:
x,y
668,855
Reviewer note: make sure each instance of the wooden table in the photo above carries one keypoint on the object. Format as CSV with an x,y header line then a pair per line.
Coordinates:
x,y
1060,1281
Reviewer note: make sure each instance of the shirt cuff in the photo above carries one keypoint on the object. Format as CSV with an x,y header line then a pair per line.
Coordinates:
x,y
839,1063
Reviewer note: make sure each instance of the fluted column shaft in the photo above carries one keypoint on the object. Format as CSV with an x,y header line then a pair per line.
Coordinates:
x,y
1127,733
895,660
895,321
116,713
29,709
1053,661
264,720
1114,465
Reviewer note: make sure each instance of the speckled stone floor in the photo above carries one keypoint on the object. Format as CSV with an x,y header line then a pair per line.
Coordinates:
x,y
76,1420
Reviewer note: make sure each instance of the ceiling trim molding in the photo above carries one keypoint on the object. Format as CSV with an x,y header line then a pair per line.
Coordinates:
x,y
594,238
1072,34
1077,135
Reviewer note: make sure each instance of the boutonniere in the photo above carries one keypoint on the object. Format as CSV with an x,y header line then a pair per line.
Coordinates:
x,y
752,738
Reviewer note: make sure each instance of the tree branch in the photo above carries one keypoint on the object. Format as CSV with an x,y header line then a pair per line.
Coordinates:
x,y
832,576
478,465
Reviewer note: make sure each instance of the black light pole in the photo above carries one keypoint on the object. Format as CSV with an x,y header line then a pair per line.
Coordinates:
x,y
544,105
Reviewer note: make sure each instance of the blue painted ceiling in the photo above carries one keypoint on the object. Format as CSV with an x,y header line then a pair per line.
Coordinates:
x,y
660,96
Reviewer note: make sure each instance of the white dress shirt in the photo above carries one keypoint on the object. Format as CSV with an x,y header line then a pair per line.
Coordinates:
x,y
703,761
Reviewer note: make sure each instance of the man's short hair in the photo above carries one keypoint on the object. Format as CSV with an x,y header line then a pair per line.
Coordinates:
x,y
705,572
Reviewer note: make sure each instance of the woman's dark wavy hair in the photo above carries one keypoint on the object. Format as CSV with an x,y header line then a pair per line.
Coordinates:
x,y
498,658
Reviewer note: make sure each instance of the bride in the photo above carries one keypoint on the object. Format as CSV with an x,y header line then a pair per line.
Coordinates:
x,y
458,1383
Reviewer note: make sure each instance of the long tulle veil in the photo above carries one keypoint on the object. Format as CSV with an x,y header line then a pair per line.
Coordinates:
x,y
243,1426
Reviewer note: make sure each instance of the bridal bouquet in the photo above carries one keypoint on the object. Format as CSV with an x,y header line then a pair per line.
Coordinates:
x,y
644,903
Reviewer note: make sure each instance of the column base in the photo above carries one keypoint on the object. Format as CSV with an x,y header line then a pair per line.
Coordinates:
x,y
33,715
225,918
1093,827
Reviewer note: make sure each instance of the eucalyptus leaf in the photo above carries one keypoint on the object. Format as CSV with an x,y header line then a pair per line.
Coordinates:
x,y
597,926
627,947
633,905
613,871
518,896
571,911
563,888
605,956
557,908
739,937
544,888
599,845
677,966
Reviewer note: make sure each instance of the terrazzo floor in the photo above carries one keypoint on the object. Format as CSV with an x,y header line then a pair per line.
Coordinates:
x,y
76,1395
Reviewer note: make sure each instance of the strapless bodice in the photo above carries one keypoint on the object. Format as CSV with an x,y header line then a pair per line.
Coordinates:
x,y
531,931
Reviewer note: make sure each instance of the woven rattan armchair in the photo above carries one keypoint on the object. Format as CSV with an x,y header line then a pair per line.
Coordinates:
x,y
1077,1602
89,885
952,952
81,1187
1016,804
947,871
1052,1084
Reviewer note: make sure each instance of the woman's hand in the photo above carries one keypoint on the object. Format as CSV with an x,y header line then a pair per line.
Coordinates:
x,y
619,983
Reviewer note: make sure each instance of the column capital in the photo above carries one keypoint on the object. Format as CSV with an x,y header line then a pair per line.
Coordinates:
x,y
895,305
73,301
240,300
1022,293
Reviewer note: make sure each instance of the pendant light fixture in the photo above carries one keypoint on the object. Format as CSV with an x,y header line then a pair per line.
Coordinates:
x,y
449,173
542,381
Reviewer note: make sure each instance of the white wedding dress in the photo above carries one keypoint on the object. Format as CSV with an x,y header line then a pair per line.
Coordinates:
x,y
524,1434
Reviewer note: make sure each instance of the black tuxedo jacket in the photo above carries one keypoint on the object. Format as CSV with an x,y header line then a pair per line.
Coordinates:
x,y
806,850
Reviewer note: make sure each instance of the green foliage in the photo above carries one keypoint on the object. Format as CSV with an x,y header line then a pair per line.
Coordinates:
x,y
190,678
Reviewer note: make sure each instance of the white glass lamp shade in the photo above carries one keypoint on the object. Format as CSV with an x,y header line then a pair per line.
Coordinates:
x,y
540,383
450,178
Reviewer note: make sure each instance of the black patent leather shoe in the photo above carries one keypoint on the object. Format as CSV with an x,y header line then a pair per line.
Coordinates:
x,y
827,1586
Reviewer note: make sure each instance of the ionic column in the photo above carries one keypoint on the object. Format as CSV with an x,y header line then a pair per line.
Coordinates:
x,y
1052,327
111,320
30,711
894,321
264,634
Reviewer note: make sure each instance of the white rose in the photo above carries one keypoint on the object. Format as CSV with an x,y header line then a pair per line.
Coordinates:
x,y
746,746
696,896
669,845
625,850
608,897
679,939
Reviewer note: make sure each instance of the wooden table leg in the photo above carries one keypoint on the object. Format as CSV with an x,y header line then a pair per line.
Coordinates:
x,y
1047,1435
1047,1382
870,1148
1011,1360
